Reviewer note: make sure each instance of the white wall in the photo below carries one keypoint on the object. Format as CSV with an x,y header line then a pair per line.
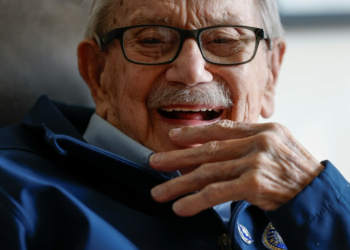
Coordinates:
x,y
312,7
313,94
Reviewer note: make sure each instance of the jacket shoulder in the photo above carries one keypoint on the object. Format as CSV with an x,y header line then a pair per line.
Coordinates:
x,y
17,137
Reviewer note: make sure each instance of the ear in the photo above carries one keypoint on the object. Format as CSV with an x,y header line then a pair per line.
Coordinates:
x,y
91,64
268,103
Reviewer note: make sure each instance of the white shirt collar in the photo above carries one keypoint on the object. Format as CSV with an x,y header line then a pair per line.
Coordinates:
x,y
104,135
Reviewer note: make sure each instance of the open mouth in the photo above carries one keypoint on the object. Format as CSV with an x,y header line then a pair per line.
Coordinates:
x,y
190,114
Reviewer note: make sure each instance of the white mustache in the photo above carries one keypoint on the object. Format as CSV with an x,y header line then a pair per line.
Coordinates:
x,y
213,94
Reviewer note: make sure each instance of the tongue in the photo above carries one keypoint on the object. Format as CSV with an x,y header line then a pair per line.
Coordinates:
x,y
189,115
182,115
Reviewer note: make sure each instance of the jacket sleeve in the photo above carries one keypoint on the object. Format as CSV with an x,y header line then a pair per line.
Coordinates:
x,y
12,230
319,216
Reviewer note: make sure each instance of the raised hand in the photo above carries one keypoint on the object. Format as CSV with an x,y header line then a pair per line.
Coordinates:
x,y
260,163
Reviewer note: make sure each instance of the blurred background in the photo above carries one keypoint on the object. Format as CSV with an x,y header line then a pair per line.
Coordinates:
x,y
313,93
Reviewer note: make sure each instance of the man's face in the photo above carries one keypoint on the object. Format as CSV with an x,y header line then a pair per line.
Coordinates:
x,y
126,87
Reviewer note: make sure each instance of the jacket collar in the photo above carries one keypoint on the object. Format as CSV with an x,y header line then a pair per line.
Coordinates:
x,y
58,118
64,125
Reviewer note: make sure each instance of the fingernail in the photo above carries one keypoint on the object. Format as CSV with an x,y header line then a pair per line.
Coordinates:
x,y
156,158
177,207
158,192
175,132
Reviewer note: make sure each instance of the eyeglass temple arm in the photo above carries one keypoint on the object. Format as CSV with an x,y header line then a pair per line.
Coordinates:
x,y
108,37
98,41
270,42
262,34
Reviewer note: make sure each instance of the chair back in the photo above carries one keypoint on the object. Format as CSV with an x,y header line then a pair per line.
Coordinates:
x,y
38,42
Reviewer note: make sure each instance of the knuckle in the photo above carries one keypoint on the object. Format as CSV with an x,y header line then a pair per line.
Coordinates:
x,y
259,160
276,127
212,193
257,184
210,148
204,174
225,126
208,169
266,140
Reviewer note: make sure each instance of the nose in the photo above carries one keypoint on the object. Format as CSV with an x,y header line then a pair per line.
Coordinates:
x,y
189,67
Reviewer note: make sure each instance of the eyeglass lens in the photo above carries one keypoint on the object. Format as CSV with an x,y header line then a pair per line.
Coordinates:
x,y
224,45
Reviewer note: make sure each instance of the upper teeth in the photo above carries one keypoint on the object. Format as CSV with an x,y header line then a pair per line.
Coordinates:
x,y
190,110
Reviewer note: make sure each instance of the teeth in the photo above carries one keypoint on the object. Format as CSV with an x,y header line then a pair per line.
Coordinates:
x,y
168,110
185,110
190,110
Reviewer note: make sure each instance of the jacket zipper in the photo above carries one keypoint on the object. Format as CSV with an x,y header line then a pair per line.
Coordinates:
x,y
224,239
225,242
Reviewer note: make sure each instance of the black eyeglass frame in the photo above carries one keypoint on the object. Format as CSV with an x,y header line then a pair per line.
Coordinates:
x,y
118,34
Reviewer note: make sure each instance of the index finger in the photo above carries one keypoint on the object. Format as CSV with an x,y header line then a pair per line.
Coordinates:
x,y
213,151
222,130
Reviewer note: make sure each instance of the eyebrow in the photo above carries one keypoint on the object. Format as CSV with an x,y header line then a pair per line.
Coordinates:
x,y
140,20
227,19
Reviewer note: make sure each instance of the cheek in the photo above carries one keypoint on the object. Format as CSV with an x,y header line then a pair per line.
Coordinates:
x,y
246,85
125,83
242,81
130,85
256,91
138,81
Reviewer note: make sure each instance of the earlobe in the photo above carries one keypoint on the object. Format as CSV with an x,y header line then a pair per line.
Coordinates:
x,y
91,64
268,104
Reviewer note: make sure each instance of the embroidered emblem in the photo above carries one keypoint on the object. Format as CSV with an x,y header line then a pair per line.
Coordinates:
x,y
244,233
272,240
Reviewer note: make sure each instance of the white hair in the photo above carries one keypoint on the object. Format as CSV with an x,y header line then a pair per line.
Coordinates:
x,y
270,17
101,17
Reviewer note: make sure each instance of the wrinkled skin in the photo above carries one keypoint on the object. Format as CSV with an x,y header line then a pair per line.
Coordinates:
x,y
260,163
233,158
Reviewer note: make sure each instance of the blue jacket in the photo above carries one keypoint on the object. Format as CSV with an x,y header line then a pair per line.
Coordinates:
x,y
58,192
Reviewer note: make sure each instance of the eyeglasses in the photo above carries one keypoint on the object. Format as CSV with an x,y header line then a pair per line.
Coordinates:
x,y
159,44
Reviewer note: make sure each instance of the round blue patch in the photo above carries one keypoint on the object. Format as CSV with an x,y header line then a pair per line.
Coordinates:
x,y
272,240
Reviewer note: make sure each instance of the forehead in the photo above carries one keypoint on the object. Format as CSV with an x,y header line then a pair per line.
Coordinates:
x,y
188,14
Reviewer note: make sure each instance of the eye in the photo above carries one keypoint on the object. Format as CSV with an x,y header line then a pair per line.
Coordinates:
x,y
150,37
150,40
220,36
222,40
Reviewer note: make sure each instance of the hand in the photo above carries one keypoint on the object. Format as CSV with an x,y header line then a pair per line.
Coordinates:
x,y
260,163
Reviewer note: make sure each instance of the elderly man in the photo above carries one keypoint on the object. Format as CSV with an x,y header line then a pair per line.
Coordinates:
x,y
172,157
